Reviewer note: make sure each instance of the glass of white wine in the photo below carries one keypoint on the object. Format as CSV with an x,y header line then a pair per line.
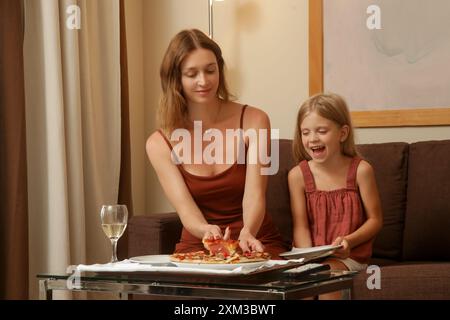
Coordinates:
x,y
114,221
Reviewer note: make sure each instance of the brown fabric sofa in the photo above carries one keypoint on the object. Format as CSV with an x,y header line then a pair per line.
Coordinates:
x,y
412,249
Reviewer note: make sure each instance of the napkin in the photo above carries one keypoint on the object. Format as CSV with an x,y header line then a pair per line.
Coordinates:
x,y
129,266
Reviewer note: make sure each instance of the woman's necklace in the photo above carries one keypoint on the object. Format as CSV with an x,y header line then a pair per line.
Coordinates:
x,y
209,130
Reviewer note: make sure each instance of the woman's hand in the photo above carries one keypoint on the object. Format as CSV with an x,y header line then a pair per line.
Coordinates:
x,y
213,231
344,252
248,242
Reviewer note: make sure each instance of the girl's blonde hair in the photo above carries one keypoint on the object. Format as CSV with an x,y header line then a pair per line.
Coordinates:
x,y
173,112
332,107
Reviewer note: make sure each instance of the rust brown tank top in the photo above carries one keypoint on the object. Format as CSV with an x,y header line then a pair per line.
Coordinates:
x,y
219,197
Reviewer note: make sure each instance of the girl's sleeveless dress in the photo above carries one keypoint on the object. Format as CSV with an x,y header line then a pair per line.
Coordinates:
x,y
337,212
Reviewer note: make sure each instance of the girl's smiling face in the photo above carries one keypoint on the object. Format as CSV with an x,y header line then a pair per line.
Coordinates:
x,y
322,137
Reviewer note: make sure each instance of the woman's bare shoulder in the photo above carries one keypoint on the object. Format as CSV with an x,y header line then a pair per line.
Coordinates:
x,y
255,117
156,146
255,111
155,139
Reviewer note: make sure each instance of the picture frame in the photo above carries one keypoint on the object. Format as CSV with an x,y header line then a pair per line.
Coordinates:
x,y
420,116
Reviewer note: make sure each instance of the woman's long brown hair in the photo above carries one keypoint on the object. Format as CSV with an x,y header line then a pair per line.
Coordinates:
x,y
173,112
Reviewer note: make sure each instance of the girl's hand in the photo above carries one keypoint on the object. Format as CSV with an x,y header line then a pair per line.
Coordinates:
x,y
248,242
344,252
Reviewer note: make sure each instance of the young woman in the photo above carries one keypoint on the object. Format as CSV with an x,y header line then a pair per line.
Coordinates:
x,y
209,196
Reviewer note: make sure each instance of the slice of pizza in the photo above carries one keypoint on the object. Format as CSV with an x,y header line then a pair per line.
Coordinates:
x,y
189,257
256,256
220,247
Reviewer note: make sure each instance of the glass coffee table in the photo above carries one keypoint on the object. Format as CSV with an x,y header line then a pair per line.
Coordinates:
x,y
281,286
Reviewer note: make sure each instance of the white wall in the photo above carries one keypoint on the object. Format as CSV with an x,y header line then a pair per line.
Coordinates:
x,y
265,46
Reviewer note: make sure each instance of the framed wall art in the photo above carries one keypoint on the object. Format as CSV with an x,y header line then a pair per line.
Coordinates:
x,y
390,59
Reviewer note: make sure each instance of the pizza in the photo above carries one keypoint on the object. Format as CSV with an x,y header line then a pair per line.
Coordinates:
x,y
220,252
205,258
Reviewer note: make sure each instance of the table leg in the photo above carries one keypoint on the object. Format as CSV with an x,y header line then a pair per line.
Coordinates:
x,y
44,292
346,294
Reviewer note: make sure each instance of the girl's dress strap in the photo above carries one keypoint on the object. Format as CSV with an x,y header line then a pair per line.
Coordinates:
x,y
310,186
351,176
165,139
242,116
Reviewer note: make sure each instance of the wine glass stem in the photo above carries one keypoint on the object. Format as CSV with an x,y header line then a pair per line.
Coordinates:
x,y
114,250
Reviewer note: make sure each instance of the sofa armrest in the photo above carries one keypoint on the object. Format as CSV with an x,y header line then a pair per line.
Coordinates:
x,y
153,234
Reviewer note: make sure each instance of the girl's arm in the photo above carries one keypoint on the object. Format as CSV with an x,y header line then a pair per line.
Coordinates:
x,y
301,233
365,178
254,201
176,190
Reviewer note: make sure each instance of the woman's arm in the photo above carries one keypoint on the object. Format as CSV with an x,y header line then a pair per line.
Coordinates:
x,y
365,178
176,190
254,201
301,232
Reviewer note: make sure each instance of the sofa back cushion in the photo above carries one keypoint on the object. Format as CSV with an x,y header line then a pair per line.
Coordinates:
x,y
390,163
427,224
277,196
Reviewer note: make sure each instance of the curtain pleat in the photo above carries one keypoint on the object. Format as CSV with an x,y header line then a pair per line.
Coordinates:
x,y
72,85
125,192
13,165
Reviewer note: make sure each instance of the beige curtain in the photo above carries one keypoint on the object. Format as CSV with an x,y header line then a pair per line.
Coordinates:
x,y
72,86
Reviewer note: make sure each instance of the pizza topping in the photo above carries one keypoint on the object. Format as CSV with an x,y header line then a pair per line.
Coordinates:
x,y
197,255
221,247
224,247
232,258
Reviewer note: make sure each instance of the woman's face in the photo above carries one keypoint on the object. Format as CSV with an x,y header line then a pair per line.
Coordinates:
x,y
200,76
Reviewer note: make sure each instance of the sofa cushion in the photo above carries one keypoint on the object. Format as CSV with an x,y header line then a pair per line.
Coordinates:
x,y
428,281
390,163
427,224
277,194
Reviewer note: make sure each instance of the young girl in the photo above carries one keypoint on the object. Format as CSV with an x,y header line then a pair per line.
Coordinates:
x,y
334,197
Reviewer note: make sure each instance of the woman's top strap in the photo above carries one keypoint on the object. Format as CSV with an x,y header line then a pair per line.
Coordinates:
x,y
242,116
165,139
